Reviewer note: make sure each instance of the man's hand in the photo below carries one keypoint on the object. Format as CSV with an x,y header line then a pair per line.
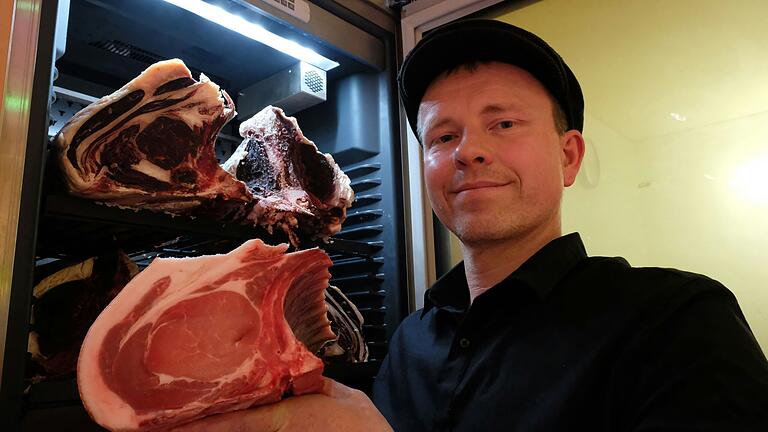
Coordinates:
x,y
337,408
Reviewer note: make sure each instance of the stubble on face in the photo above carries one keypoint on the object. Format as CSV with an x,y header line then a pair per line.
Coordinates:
x,y
517,208
485,221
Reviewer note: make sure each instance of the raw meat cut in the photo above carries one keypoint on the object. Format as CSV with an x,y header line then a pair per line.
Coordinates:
x,y
295,186
150,145
64,305
190,337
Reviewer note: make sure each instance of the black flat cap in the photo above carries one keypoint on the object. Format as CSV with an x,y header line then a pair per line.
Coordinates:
x,y
468,41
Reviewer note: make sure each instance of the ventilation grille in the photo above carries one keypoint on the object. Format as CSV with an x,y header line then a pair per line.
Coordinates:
x,y
361,278
290,4
127,50
314,81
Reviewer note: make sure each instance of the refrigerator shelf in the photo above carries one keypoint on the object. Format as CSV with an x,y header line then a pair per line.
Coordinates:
x,y
76,218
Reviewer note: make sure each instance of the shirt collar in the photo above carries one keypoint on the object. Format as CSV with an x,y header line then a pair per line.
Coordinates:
x,y
541,272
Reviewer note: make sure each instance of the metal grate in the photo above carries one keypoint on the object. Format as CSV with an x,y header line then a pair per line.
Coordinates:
x,y
362,278
314,81
124,49
60,112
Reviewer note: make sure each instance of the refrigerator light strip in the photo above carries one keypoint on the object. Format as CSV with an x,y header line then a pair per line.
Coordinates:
x,y
254,31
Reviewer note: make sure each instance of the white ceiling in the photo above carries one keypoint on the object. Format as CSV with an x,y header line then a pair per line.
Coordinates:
x,y
639,61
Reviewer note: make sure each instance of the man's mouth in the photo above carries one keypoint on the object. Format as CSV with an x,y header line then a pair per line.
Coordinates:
x,y
477,185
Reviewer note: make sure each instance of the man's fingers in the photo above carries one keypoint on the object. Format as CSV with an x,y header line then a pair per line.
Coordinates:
x,y
335,389
328,385
336,405
261,419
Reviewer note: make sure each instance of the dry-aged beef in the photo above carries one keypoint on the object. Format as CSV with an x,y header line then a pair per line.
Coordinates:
x,y
150,145
190,337
295,187
65,304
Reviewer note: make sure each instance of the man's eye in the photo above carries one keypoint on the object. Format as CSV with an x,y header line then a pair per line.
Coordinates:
x,y
442,139
505,124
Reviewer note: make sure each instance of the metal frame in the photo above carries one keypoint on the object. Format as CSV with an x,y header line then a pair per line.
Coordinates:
x,y
14,123
28,85
418,18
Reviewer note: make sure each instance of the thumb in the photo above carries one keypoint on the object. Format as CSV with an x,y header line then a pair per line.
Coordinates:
x,y
329,386
337,390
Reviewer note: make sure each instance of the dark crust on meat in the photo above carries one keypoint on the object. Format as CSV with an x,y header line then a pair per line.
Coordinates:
x,y
256,170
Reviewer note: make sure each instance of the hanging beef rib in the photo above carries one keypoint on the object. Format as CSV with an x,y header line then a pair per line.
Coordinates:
x,y
190,337
151,144
295,187
65,304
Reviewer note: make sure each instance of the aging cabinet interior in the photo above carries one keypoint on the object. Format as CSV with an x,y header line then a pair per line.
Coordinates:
x,y
109,42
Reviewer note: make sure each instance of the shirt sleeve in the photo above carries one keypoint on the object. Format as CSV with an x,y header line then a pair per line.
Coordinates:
x,y
696,367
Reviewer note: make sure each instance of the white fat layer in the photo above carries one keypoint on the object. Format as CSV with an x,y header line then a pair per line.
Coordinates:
x,y
152,170
72,273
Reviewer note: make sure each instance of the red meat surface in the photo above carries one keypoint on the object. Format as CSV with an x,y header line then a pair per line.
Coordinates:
x,y
191,337
150,145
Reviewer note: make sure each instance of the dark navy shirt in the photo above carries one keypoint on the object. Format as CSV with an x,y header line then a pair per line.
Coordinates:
x,y
575,343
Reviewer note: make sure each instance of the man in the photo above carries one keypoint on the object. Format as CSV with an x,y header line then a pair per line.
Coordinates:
x,y
528,333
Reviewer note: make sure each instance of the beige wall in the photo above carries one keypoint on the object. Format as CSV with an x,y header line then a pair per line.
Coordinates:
x,y
689,192
680,201
707,208
604,205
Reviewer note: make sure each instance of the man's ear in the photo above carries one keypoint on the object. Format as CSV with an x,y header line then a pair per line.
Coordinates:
x,y
572,148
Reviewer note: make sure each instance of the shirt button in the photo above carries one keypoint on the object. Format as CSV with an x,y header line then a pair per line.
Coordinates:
x,y
464,343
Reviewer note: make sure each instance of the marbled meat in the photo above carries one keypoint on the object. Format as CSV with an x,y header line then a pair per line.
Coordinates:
x,y
190,337
150,145
295,187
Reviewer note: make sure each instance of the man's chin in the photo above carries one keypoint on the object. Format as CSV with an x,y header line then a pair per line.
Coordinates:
x,y
470,235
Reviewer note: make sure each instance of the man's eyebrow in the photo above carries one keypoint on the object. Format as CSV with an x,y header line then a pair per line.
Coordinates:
x,y
440,123
495,109
422,126
427,116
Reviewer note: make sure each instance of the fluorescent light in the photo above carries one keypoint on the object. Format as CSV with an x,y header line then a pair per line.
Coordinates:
x,y
749,180
679,117
254,31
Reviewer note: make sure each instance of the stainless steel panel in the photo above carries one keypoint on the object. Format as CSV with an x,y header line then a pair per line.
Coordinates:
x,y
332,30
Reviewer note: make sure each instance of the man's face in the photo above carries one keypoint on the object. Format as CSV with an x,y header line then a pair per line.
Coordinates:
x,y
494,164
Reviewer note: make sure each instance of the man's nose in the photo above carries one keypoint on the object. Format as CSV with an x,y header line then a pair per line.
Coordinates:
x,y
472,149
